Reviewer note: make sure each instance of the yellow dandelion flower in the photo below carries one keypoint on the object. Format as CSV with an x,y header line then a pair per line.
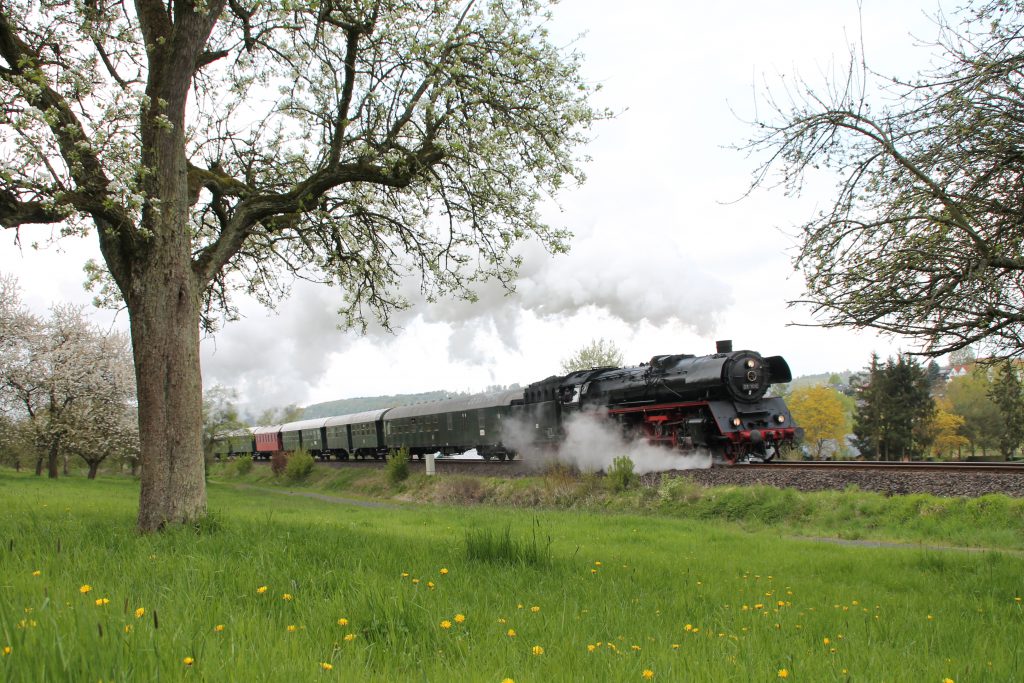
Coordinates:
x,y
507,680
825,641
459,618
261,590
343,622
597,563
591,647
519,605
430,585
7,650
537,650
127,628
446,624
37,572
415,580
502,620
349,637
218,628
326,666
140,612
593,571
442,571
931,618
688,628
102,602
948,680
1017,599
783,673
675,646
535,609
292,628
85,589
648,674
287,596
511,633
188,661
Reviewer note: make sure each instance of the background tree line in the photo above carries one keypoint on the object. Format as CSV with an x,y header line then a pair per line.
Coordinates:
x,y
900,409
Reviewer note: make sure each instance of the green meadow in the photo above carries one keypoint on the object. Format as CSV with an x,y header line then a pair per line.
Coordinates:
x,y
287,588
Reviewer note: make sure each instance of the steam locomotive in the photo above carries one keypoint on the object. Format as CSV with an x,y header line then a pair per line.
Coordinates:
x,y
685,402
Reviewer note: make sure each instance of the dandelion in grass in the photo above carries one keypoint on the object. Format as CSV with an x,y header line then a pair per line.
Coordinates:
x,y
675,646
460,618
292,628
648,674
127,628
948,680
7,650
326,666
405,575
430,585
634,648
188,661
537,650
443,571
507,680
535,609
261,590
140,612
511,633
349,637
591,647
102,602
343,622
825,641
37,572
688,628
445,624
219,628
85,589
287,597
415,581
783,673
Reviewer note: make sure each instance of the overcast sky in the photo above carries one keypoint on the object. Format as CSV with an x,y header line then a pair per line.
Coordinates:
x,y
664,260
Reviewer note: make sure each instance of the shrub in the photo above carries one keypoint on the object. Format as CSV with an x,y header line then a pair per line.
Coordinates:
x,y
299,466
397,469
243,464
620,475
278,462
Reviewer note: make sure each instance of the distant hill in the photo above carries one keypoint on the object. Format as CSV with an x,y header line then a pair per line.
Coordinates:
x,y
345,406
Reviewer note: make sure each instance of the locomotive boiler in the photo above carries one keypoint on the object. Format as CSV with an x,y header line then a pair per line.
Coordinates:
x,y
717,402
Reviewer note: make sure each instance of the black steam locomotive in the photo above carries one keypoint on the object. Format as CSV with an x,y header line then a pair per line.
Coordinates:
x,y
683,402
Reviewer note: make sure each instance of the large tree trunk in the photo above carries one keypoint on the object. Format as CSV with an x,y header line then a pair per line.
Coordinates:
x,y
165,342
93,468
51,459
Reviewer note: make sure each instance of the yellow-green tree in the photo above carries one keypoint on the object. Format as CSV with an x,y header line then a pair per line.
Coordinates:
x,y
819,411
946,427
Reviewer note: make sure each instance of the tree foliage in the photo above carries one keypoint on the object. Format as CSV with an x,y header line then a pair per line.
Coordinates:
x,y
923,237
1007,394
947,439
819,411
969,397
597,354
212,147
894,410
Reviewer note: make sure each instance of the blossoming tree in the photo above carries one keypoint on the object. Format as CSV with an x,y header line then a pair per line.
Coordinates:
x,y
214,146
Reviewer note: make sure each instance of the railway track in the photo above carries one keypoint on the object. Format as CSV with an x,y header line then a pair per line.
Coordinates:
x,y
885,466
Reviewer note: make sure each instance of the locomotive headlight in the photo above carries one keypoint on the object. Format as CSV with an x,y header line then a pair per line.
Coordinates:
x,y
750,362
736,422
780,418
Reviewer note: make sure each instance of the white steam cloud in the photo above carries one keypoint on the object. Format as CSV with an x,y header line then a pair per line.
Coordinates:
x,y
592,443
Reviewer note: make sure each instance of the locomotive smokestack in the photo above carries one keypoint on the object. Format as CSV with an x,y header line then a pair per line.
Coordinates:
x,y
723,346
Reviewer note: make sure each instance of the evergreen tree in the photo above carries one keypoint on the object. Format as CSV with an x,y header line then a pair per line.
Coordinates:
x,y
1008,395
894,410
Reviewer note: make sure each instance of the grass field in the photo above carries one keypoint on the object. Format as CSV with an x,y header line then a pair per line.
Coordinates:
x,y
283,588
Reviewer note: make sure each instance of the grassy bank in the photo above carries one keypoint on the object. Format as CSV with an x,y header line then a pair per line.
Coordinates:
x,y
993,521
380,594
